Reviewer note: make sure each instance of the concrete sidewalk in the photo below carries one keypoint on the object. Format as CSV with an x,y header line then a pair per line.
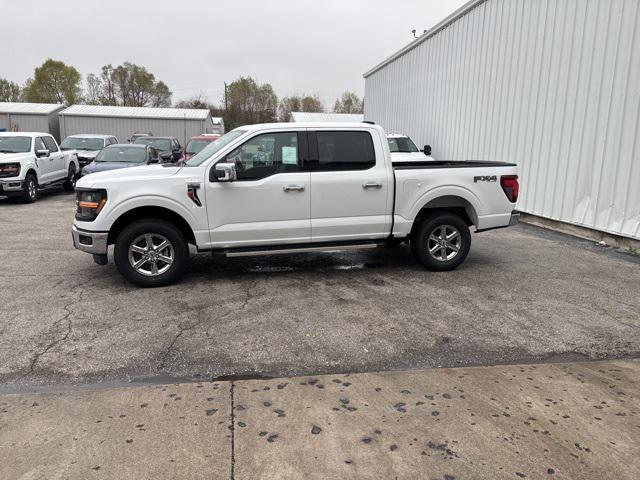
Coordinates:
x,y
571,421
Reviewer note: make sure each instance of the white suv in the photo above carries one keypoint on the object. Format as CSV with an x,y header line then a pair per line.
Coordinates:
x,y
31,160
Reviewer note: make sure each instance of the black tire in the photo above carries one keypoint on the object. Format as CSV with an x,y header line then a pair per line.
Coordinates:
x,y
30,192
444,256
158,229
70,183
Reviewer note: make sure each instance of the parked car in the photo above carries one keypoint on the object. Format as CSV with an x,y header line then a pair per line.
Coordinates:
x,y
122,156
137,135
30,161
197,143
404,150
168,147
309,188
87,146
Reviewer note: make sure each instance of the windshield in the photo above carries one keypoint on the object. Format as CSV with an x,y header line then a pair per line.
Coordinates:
x,y
214,147
158,143
195,146
79,143
402,144
122,154
15,144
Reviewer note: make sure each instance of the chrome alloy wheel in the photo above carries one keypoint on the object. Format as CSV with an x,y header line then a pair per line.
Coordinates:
x,y
151,254
444,243
32,189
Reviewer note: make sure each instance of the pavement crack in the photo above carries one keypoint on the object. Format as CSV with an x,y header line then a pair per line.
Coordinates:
x,y
66,318
232,427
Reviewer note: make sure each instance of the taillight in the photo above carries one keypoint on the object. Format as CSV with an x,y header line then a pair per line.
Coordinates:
x,y
510,186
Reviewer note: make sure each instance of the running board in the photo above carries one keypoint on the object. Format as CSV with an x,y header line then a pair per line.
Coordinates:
x,y
319,248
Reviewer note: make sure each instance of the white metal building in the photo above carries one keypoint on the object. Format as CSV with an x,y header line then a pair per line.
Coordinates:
x,y
325,117
30,117
553,85
182,123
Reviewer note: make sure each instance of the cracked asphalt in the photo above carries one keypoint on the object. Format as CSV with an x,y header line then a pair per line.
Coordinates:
x,y
524,295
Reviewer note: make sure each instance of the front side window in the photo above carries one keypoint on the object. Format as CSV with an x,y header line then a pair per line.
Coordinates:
x,y
39,144
51,144
345,151
15,144
265,155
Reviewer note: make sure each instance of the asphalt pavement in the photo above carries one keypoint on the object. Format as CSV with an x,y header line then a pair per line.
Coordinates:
x,y
524,295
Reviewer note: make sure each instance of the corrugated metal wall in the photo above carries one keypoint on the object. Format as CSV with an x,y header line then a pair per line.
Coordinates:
x,y
123,128
30,123
553,85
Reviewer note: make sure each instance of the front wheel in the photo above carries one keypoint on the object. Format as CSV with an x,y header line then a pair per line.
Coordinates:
x,y
441,242
70,183
30,192
151,253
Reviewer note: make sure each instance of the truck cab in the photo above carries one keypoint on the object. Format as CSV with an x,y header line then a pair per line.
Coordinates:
x,y
404,150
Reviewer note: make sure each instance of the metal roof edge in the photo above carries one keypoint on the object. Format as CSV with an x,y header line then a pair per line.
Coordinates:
x,y
198,119
459,13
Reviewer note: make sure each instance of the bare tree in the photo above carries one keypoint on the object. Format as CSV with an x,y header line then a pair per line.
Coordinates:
x,y
298,103
349,103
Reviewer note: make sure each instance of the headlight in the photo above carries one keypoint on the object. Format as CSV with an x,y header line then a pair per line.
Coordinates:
x,y
90,202
9,169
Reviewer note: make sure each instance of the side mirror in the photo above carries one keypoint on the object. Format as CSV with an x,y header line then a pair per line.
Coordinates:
x,y
224,172
154,160
427,150
42,153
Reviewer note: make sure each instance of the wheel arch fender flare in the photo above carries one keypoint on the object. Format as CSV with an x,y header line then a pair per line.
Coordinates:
x,y
448,197
150,207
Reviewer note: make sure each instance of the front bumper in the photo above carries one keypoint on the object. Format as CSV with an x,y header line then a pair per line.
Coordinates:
x,y
90,242
11,185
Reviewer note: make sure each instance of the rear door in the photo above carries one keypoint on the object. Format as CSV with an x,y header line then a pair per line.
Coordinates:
x,y
269,202
350,188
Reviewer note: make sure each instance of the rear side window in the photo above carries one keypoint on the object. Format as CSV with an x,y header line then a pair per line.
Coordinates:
x,y
339,151
51,144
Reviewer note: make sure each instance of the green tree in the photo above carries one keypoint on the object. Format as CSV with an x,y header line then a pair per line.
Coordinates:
x,y
298,103
128,85
248,102
349,103
54,82
198,101
9,91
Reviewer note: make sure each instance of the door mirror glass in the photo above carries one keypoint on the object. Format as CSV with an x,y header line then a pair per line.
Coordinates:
x,y
224,172
427,149
42,153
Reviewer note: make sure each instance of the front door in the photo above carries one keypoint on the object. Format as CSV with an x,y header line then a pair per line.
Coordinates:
x,y
269,202
45,164
56,159
351,194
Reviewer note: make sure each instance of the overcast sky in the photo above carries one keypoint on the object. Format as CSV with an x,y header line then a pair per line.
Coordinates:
x,y
299,46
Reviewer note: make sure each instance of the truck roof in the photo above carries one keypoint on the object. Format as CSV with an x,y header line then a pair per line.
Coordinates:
x,y
298,125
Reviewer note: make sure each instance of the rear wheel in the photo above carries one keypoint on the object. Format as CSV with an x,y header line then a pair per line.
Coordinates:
x,y
30,192
70,183
151,253
441,242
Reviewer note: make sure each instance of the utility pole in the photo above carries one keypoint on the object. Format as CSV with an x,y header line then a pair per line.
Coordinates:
x,y
225,98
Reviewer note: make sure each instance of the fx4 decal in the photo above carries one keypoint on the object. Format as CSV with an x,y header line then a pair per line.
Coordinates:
x,y
492,178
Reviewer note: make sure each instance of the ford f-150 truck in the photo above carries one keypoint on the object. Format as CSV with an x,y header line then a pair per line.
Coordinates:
x,y
30,161
286,188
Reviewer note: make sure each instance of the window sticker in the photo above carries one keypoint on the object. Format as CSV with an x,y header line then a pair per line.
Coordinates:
x,y
289,155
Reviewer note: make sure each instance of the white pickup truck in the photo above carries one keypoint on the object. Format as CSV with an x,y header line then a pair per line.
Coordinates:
x,y
287,188
30,161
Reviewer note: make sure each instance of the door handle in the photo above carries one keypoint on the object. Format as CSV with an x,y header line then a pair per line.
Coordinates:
x,y
372,185
293,188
